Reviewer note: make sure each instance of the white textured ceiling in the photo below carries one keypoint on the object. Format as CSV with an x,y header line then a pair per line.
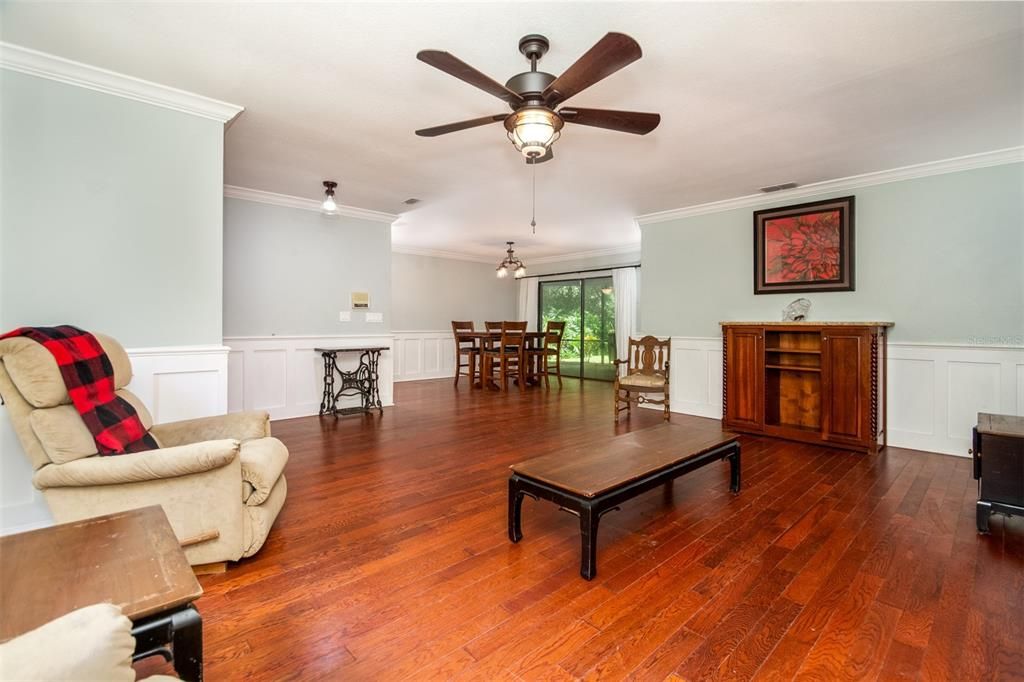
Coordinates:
x,y
750,95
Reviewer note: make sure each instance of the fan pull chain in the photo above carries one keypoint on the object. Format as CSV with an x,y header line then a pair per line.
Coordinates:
x,y
533,215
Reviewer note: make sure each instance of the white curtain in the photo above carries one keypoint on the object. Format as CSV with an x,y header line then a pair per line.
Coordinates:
x,y
528,302
625,285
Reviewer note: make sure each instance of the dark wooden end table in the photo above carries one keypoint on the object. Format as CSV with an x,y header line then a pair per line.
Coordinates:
x,y
131,559
593,479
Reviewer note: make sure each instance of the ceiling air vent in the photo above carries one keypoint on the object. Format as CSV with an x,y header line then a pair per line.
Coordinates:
x,y
411,200
776,188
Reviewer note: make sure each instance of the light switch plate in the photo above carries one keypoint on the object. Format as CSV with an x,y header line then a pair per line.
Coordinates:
x,y
374,317
345,316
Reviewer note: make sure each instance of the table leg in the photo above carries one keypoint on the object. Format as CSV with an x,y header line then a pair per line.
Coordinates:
x,y
515,510
982,510
188,644
589,519
734,470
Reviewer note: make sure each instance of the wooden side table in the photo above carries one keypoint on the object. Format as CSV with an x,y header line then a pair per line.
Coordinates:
x,y
998,454
131,559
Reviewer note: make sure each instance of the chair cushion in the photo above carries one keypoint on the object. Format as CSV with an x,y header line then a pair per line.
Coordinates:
x,y
35,373
91,643
642,381
65,437
263,461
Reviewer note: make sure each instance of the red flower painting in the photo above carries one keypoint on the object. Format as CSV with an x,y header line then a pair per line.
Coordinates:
x,y
803,248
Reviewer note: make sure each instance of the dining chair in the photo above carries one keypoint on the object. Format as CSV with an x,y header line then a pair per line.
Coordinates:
x,y
509,355
551,349
471,351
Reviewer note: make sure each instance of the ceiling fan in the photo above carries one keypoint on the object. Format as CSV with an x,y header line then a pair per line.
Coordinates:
x,y
534,125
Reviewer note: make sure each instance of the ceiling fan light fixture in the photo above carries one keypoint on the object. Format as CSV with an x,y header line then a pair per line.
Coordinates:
x,y
533,129
329,207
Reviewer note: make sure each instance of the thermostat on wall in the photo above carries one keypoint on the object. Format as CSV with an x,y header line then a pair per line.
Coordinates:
x,y
360,300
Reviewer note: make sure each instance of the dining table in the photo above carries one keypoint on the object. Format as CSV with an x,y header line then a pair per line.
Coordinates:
x,y
534,341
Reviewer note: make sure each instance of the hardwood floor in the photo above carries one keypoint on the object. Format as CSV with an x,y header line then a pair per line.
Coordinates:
x,y
390,560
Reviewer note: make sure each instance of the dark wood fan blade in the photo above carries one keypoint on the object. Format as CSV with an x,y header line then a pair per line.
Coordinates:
x,y
636,122
607,56
454,66
461,125
547,157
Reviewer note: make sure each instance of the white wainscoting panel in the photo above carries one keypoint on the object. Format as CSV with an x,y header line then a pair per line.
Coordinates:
x,y
176,382
935,391
424,355
284,375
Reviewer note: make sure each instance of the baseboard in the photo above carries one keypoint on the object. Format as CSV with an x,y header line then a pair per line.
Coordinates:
x,y
284,374
935,391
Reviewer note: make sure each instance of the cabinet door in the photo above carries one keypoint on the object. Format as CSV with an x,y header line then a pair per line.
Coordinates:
x,y
744,377
846,385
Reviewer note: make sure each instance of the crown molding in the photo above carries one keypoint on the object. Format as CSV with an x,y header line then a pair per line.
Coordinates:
x,y
998,157
440,253
289,201
631,249
43,65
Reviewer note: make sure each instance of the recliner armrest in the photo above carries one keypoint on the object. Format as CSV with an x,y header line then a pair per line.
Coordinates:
x,y
237,425
91,643
140,466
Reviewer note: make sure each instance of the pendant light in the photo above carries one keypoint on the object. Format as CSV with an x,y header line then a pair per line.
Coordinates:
x,y
510,263
328,207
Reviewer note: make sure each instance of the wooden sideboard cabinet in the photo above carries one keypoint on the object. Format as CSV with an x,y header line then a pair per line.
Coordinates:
x,y
821,382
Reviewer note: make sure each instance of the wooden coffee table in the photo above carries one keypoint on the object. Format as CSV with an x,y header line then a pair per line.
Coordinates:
x,y
591,480
131,559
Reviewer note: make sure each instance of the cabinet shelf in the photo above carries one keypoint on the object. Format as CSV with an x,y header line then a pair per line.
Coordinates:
x,y
793,368
803,351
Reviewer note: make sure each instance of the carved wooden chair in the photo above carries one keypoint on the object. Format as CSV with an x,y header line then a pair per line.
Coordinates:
x,y
646,372
465,347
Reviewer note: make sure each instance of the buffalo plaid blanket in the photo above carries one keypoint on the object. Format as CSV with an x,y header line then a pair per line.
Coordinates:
x,y
89,378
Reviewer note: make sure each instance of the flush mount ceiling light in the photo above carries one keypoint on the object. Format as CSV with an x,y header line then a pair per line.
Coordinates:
x,y
512,263
328,207
534,125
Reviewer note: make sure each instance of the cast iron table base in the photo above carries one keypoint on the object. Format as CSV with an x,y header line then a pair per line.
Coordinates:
x,y
591,509
362,381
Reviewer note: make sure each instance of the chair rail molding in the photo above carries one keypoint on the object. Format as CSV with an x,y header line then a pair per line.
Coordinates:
x,y
935,391
174,382
285,376
44,65
424,355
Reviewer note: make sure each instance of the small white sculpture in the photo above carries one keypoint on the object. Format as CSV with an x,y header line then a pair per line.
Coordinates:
x,y
796,311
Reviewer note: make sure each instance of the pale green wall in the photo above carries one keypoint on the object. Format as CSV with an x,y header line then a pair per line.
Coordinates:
x,y
289,271
942,257
111,215
427,293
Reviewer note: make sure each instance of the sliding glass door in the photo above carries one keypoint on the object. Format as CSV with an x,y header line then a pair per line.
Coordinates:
x,y
587,306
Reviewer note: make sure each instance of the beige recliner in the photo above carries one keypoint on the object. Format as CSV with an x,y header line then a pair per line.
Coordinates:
x,y
223,474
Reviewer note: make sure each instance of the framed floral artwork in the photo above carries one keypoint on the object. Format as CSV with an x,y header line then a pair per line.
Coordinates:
x,y
807,247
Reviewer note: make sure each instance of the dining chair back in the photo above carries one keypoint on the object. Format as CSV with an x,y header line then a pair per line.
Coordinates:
x,y
465,347
550,350
508,356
